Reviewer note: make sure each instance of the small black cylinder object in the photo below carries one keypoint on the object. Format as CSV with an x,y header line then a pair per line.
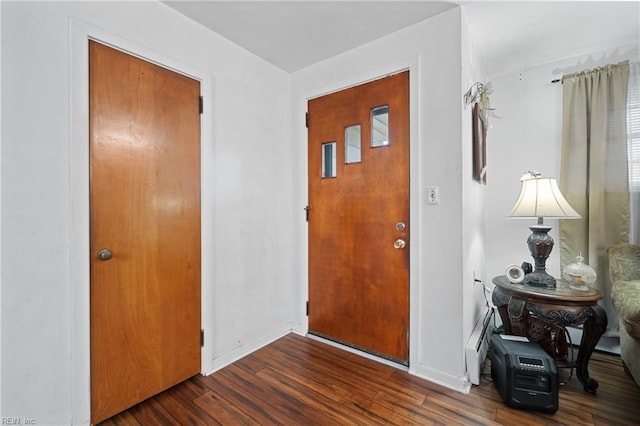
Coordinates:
x,y
526,267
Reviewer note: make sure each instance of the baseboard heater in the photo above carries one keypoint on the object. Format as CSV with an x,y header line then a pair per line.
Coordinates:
x,y
477,346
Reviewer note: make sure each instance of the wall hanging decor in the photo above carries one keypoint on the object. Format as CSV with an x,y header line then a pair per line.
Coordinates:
x,y
478,95
479,145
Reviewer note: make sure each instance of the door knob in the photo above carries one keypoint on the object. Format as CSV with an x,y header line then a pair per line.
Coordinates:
x,y
399,244
104,254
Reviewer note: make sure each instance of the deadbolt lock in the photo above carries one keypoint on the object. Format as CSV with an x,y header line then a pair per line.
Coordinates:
x,y
399,244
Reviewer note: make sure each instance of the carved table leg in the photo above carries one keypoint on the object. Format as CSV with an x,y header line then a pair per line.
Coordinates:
x,y
518,316
501,301
593,329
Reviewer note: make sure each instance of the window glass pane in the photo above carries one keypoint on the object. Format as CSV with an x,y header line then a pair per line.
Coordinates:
x,y
380,126
352,144
329,160
633,151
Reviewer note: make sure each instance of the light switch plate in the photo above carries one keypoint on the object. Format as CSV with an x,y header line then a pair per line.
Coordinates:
x,y
432,195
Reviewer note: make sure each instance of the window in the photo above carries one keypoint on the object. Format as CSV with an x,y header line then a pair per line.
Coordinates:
x,y
352,135
380,126
329,160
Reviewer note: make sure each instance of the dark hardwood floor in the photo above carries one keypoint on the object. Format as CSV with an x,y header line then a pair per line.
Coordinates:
x,y
297,380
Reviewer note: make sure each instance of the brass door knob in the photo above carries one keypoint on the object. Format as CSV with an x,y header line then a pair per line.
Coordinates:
x,y
104,254
399,244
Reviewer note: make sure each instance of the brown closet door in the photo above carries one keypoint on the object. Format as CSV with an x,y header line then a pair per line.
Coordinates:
x,y
145,210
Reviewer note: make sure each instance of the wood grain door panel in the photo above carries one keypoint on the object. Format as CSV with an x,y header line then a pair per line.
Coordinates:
x,y
145,208
358,281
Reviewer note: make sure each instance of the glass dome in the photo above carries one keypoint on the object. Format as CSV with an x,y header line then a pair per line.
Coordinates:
x,y
579,275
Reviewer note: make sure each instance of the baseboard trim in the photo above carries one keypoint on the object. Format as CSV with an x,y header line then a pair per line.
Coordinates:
x,y
248,348
460,384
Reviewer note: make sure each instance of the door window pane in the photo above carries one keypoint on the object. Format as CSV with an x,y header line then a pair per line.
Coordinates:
x,y
352,144
329,160
380,126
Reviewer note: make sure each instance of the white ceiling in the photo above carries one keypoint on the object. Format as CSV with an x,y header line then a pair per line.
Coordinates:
x,y
295,34
511,35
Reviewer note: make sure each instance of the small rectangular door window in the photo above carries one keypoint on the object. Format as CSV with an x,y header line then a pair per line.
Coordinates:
x,y
329,160
380,126
352,144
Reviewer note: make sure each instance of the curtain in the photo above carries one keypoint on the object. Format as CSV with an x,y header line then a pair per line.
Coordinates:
x,y
594,173
633,151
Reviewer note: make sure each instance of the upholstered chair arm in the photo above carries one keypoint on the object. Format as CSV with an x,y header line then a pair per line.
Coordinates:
x,y
626,300
624,262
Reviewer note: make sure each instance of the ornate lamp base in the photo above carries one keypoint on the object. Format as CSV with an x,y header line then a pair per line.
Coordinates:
x,y
539,279
540,245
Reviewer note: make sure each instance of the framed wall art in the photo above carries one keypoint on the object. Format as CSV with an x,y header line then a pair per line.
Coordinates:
x,y
479,145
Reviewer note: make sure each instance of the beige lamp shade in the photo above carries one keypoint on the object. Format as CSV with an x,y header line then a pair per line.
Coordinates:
x,y
540,198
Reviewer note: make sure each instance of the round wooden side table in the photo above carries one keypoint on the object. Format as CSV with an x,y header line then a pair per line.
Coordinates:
x,y
522,307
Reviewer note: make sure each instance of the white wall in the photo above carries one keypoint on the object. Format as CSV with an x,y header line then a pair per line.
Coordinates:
x,y
529,137
247,175
474,194
441,260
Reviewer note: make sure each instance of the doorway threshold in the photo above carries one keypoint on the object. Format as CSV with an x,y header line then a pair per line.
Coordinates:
x,y
358,352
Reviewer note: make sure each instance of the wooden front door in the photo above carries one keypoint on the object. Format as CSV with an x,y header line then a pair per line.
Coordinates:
x,y
145,229
359,217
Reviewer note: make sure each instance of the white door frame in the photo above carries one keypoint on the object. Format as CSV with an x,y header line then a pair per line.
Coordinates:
x,y
79,37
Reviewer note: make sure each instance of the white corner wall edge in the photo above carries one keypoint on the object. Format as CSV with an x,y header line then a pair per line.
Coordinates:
x,y
0,212
248,348
457,383
299,329
0,215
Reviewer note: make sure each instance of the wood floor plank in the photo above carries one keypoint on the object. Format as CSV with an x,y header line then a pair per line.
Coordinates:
x,y
251,364
344,369
411,413
274,404
123,419
312,373
334,375
151,412
301,381
509,416
230,387
325,410
478,415
185,412
221,411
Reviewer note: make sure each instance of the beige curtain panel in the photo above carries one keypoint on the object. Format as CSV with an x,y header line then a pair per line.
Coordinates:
x,y
594,172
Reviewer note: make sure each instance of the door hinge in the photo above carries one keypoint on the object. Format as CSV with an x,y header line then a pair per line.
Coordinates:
x,y
201,104
306,119
202,338
307,209
307,308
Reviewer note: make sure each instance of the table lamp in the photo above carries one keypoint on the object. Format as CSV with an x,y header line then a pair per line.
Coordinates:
x,y
540,198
